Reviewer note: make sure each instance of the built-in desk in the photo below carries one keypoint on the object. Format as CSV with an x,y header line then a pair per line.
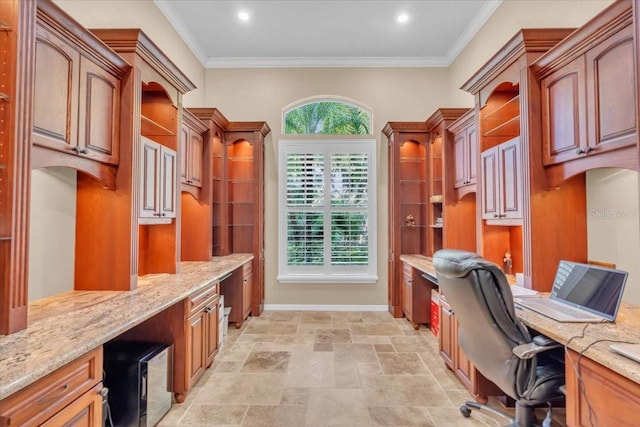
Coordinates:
x,y
610,383
63,328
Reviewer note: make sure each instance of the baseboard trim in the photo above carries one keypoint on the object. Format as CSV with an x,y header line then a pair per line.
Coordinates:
x,y
328,307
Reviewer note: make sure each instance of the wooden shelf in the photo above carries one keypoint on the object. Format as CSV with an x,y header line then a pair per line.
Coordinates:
x,y
510,128
509,109
151,128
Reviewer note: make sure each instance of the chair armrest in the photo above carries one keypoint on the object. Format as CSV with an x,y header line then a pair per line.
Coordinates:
x,y
528,350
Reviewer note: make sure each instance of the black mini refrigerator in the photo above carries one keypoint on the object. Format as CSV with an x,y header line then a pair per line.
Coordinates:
x,y
138,376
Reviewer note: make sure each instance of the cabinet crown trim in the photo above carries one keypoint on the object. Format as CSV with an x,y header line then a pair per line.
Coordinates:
x,y
527,40
608,22
134,40
392,127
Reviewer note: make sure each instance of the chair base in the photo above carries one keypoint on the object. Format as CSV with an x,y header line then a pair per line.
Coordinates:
x,y
523,417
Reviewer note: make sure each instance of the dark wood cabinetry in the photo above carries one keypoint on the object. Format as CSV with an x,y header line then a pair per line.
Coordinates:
x,y
202,335
465,150
512,180
238,294
68,396
15,160
192,142
408,198
245,151
589,97
157,183
416,296
80,81
502,183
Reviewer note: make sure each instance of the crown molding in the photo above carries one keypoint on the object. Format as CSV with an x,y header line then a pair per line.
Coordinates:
x,y
328,62
478,21
188,37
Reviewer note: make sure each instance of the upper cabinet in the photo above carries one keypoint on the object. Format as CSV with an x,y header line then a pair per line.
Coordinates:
x,y
465,152
589,97
157,182
502,183
192,141
78,78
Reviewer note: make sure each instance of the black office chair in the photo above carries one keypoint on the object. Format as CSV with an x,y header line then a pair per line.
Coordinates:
x,y
492,337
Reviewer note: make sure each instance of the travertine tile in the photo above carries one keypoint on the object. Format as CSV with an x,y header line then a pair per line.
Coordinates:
x,y
354,353
214,415
403,390
337,406
402,364
311,369
276,416
347,375
333,335
415,343
389,328
400,416
451,417
267,361
383,348
242,389
295,396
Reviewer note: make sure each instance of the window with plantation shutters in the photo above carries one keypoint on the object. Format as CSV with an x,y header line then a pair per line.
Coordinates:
x,y
327,210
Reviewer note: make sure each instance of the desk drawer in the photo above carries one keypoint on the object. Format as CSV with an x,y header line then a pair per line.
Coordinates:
x,y
198,300
46,397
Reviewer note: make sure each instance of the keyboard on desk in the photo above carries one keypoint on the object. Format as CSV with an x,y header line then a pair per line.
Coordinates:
x,y
557,310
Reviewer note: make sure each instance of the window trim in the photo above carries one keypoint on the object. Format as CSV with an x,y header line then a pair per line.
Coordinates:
x,y
329,274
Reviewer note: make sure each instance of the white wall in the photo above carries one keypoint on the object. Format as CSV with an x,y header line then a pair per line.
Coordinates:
x,y
52,232
613,223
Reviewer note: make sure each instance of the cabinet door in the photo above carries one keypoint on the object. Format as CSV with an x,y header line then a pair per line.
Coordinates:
x,y
149,172
489,166
211,341
55,96
167,177
86,411
246,293
471,153
464,369
99,113
510,180
196,341
184,141
407,292
611,93
446,337
194,169
460,159
564,113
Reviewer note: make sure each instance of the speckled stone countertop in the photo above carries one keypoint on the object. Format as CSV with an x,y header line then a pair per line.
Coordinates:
x,y
64,327
626,328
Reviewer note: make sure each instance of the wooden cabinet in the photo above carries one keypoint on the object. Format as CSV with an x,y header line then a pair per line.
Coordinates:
x,y
15,161
408,198
238,294
244,179
502,183
511,184
416,296
68,396
465,146
448,334
589,97
599,396
192,141
81,83
202,335
157,183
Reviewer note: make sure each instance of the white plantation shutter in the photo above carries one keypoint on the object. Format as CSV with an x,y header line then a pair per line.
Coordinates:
x,y
326,211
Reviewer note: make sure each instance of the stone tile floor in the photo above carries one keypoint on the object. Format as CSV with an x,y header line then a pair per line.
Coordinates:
x,y
289,369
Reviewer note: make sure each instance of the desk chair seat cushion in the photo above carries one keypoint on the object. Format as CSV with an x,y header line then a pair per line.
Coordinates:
x,y
479,295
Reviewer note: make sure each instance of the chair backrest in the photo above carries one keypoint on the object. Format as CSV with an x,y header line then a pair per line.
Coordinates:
x,y
479,295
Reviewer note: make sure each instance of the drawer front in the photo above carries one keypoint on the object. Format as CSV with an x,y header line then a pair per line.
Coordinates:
x,y
48,396
407,270
247,269
198,300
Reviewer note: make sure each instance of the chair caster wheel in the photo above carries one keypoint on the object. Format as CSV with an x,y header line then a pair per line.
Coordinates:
x,y
465,411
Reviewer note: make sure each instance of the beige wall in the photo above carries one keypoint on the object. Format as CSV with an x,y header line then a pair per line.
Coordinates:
x,y
613,221
402,94
143,14
506,21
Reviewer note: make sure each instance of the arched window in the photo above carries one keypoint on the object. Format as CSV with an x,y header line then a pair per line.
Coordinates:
x,y
327,117
327,193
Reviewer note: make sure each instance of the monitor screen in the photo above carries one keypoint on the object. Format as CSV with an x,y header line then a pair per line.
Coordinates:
x,y
594,288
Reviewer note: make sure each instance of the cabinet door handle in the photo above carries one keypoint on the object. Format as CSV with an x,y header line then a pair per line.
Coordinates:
x,y
588,150
207,309
446,310
580,151
163,214
54,396
156,214
496,216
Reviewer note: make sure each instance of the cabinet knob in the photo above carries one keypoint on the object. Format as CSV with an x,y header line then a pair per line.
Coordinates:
x,y
496,215
85,150
588,150
163,214
580,151
207,309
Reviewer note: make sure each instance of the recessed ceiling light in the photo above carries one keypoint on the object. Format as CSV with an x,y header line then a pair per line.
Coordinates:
x,y
243,16
402,18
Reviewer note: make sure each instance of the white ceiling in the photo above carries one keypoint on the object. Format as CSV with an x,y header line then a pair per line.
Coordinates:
x,y
307,33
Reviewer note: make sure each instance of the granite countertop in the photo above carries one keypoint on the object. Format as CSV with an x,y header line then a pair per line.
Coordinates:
x,y
66,326
626,328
